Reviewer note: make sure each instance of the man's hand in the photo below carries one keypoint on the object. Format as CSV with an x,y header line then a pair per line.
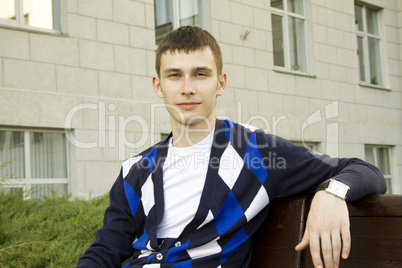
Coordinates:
x,y
327,229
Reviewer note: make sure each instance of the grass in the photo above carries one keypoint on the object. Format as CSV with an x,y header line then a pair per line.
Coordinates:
x,y
48,232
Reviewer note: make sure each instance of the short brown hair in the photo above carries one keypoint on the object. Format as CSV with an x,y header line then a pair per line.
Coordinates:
x,y
188,39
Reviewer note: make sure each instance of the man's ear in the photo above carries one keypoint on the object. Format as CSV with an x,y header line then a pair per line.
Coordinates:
x,y
221,84
157,86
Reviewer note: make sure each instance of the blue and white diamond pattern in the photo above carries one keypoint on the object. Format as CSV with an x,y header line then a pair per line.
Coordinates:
x,y
259,202
230,166
148,190
126,166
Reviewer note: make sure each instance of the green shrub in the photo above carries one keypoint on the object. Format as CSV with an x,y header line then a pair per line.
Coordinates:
x,y
48,232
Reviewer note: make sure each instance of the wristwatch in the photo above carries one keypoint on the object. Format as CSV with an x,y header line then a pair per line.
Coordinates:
x,y
334,187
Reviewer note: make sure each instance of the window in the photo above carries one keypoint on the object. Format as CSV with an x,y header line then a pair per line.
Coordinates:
x,y
289,34
171,14
33,163
380,157
43,14
309,145
368,45
164,136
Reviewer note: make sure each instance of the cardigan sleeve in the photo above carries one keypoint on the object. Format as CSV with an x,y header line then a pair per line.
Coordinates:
x,y
300,170
113,241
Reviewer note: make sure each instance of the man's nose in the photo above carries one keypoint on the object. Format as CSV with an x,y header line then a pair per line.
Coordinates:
x,y
187,88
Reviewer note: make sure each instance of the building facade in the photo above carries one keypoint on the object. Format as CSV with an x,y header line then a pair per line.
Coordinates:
x,y
76,97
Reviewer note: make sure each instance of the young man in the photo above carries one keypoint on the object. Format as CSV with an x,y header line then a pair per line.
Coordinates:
x,y
196,198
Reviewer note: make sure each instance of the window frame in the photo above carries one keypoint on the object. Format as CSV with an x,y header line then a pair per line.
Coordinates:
x,y
26,182
176,15
387,177
310,145
18,23
285,14
365,35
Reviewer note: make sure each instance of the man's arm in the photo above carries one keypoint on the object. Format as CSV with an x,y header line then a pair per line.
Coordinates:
x,y
113,241
302,171
294,169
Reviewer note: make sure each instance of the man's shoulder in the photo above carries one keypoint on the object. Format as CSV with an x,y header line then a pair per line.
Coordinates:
x,y
241,133
241,127
149,155
235,125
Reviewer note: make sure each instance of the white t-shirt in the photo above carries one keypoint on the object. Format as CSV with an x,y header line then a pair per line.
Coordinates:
x,y
184,174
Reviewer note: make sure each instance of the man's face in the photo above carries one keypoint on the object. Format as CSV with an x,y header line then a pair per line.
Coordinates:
x,y
189,85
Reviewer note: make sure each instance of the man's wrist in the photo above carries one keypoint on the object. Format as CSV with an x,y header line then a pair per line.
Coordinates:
x,y
335,188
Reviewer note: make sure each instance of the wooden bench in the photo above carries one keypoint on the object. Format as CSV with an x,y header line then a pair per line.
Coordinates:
x,y
375,224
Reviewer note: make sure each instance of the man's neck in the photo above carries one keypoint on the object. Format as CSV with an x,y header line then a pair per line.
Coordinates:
x,y
185,135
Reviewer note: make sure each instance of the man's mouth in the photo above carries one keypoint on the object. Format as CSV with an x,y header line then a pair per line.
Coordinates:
x,y
188,105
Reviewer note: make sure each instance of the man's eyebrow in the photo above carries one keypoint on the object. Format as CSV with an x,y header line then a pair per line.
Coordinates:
x,y
201,68
168,70
194,69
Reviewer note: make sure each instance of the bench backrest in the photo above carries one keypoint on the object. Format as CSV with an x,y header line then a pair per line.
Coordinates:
x,y
375,224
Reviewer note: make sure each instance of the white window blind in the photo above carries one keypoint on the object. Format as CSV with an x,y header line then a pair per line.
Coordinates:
x,y
33,162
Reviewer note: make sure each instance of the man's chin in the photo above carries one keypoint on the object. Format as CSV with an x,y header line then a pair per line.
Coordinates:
x,y
197,120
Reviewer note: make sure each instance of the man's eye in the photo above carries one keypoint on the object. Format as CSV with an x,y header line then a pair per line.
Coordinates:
x,y
200,74
173,75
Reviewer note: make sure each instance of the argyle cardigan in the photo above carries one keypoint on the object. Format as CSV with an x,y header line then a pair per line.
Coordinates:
x,y
247,169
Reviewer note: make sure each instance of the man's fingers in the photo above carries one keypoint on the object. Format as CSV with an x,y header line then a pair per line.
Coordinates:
x,y
346,241
336,247
326,247
304,243
315,250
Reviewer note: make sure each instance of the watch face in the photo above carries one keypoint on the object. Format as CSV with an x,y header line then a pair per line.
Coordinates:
x,y
338,188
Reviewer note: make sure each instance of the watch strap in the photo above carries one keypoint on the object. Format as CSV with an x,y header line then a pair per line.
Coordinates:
x,y
332,186
323,185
